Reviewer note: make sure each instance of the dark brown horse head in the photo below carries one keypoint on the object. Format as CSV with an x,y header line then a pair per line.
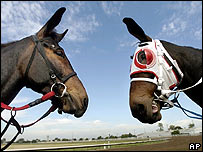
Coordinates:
x,y
141,92
75,100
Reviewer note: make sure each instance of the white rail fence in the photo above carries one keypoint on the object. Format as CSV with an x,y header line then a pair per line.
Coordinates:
x,y
89,146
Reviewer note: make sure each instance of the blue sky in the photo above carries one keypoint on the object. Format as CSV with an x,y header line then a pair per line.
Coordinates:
x,y
99,47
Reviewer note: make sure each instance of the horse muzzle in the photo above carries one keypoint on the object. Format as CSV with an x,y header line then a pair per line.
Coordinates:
x,y
73,104
70,102
146,111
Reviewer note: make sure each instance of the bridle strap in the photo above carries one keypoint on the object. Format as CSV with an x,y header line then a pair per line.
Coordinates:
x,y
52,69
64,79
41,51
181,90
30,61
18,127
13,110
13,122
146,79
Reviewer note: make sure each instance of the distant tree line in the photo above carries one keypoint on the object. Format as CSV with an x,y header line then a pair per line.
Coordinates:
x,y
174,129
129,135
22,140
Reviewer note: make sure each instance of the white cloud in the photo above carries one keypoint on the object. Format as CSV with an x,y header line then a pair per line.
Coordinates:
x,y
79,23
186,17
97,122
80,27
20,99
63,128
186,122
20,19
198,33
174,26
72,52
17,102
6,114
76,128
111,8
128,43
188,8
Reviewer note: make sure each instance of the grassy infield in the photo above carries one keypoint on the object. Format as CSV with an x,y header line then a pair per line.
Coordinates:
x,y
61,144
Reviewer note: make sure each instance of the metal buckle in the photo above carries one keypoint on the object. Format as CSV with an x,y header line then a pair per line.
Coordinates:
x,y
53,76
64,90
166,103
13,114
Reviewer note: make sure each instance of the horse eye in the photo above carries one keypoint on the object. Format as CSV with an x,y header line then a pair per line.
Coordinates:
x,y
143,56
60,53
45,44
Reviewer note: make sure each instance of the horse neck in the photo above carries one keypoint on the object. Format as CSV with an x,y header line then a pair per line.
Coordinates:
x,y
190,62
11,73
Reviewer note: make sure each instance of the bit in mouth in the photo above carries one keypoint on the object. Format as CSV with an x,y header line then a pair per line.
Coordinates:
x,y
154,107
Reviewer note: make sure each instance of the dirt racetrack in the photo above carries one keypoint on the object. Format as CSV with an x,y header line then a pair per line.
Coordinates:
x,y
177,143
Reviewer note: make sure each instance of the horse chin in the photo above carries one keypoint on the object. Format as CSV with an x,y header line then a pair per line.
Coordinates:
x,y
73,105
79,113
147,113
70,104
151,119
153,114
76,113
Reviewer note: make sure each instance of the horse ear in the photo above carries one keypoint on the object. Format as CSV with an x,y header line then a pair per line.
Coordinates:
x,y
51,23
59,37
136,30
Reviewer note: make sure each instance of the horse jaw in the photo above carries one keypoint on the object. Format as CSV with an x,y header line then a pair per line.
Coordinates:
x,y
142,104
73,104
76,99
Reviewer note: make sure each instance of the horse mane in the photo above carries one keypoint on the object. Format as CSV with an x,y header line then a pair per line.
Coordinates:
x,y
7,44
189,47
183,46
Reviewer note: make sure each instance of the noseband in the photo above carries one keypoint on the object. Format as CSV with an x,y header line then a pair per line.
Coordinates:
x,y
53,72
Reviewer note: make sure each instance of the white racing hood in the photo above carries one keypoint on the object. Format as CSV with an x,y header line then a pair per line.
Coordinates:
x,y
152,57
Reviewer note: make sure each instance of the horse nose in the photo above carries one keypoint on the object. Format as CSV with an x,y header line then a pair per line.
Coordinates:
x,y
139,110
72,111
80,112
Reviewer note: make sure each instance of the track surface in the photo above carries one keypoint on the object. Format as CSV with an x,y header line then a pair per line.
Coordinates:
x,y
177,143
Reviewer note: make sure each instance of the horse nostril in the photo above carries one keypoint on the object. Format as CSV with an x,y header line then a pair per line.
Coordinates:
x,y
85,100
140,108
72,111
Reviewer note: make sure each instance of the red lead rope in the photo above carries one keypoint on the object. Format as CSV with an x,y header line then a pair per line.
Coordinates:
x,y
13,122
48,96
4,106
38,101
42,99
